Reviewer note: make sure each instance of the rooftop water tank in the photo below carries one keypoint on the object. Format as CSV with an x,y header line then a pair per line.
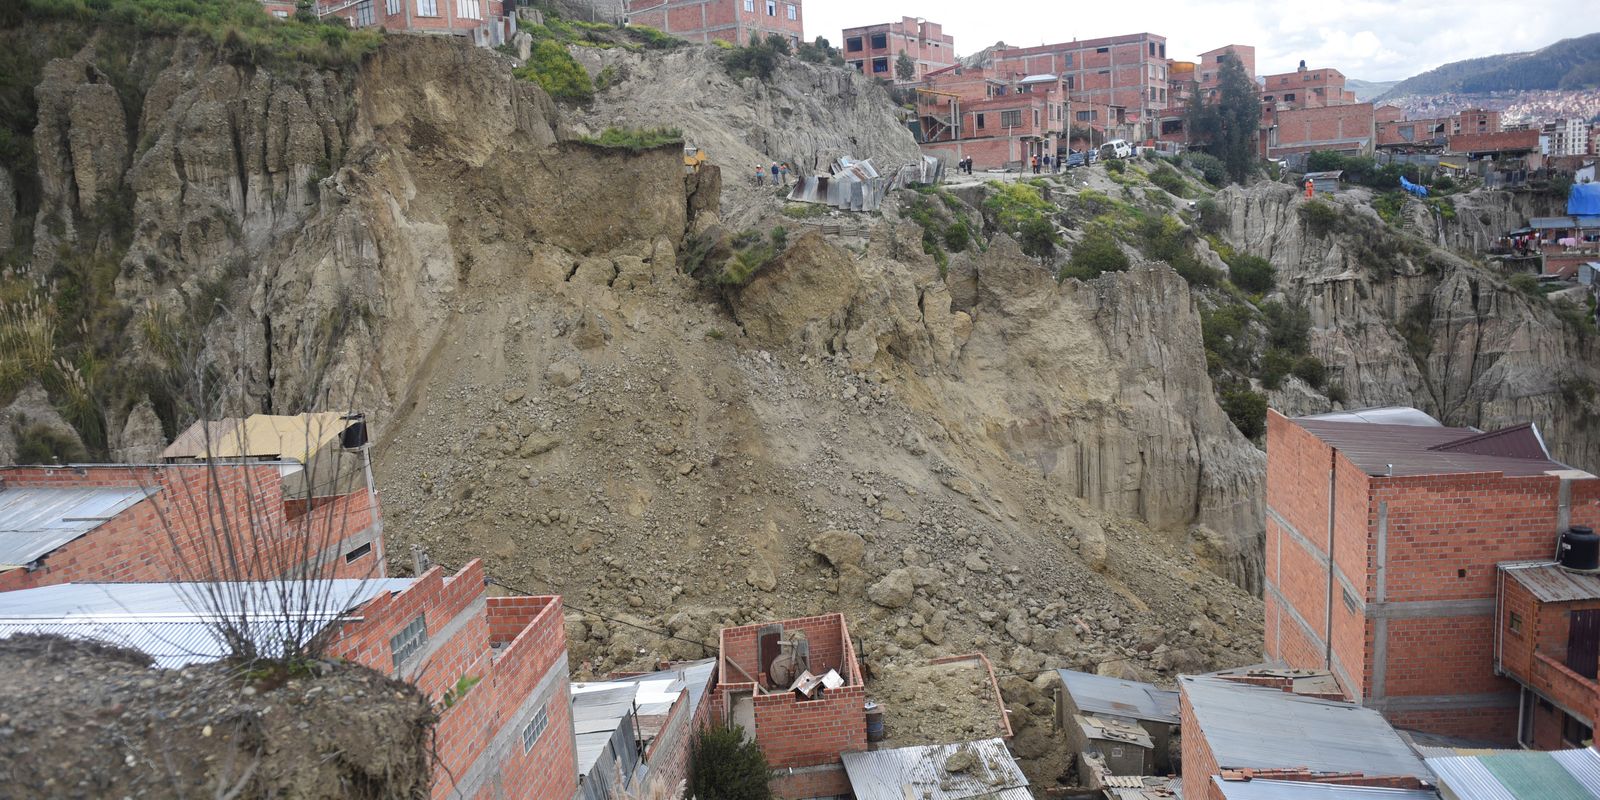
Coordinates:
x,y
1580,550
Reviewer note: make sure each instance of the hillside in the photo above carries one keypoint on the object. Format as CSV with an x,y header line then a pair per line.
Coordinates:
x,y
1368,90
1567,64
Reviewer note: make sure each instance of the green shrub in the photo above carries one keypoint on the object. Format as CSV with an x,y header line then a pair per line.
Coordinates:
x,y
804,210
757,60
651,38
1248,410
1211,217
1288,326
723,766
1444,183
1389,205
240,27
1311,370
1275,366
1526,283
1096,253
1253,274
1320,217
1211,168
1337,394
44,444
1169,181
636,140
957,238
552,67
1115,165
1037,237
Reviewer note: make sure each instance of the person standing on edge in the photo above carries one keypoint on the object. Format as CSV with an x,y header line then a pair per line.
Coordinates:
x,y
1310,188
783,170
774,173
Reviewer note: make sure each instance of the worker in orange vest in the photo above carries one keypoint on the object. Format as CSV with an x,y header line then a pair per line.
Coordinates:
x,y
1309,187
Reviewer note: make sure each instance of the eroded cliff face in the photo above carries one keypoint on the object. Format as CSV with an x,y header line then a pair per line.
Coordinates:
x,y
1400,322
1034,469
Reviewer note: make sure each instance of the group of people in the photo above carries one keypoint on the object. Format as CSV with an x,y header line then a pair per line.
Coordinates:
x,y
778,171
964,165
1046,163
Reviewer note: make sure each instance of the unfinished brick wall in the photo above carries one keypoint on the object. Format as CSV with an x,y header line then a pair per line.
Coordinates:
x,y
1342,127
707,20
798,784
1431,622
462,624
792,731
1199,764
178,532
1535,653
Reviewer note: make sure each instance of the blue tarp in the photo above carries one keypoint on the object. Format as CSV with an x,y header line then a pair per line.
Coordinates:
x,y
1584,199
1415,188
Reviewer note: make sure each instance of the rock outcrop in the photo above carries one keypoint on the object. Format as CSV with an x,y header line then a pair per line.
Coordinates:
x,y
1400,322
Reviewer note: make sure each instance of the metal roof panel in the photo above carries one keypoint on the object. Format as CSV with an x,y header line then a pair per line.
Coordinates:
x,y
1306,790
35,521
888,774
1550,583
1099,694
174,622
1263,728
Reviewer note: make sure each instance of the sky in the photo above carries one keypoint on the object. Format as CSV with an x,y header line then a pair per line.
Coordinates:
x,y
1366,39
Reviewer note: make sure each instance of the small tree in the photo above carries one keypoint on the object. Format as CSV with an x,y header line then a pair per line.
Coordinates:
x,y
724,766
1227,128
904,68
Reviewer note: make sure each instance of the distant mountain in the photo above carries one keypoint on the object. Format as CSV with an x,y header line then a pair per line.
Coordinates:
x,y
1368,90
1567,64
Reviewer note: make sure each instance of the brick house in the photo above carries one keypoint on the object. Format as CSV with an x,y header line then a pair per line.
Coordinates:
x,y
873,49
1306,88
510,734
801,736
1127,74
116,523
1257,730
487,23
736,21
1348,128
998,119
1384,532
1546,620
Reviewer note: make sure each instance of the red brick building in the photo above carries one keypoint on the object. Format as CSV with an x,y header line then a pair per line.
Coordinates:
x,y
486,22
1126,74
738,21
507,731
114,523
1261,728
801,736
1501,144
1384,532
1306,88
1349,129
873,49
995,118
1547,618
1394,131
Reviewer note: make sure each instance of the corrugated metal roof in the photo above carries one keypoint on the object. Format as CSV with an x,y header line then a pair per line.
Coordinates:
x,y
1387,415
34,521
171,621
1552,584
596,716
1521,775
290,438
1106,729
1416,449
902,772
1099,694
1263,728
1305,790
655,692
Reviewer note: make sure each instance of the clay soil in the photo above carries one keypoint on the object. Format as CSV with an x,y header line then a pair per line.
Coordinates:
x,y
936,704
84,720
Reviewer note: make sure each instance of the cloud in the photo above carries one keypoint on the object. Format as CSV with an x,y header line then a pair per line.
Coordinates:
x,y
1369,39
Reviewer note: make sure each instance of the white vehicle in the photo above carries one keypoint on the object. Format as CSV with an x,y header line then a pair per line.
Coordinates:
x,y
1116,148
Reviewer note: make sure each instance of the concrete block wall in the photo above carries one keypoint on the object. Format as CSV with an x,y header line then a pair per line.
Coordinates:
x,y
799,784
